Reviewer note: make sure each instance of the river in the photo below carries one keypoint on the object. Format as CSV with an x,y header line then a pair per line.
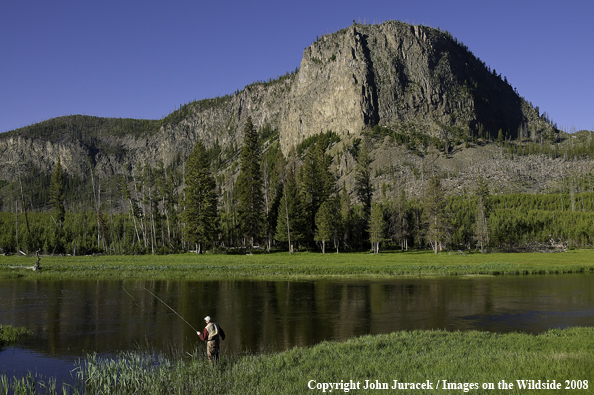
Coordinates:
x,y
73,318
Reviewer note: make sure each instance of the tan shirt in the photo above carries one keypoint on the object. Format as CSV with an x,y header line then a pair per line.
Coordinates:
x,y
211,332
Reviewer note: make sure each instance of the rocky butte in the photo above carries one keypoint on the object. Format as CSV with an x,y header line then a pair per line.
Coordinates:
x,y
410,80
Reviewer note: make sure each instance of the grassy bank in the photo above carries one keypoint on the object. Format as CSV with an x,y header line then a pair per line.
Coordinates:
x,y
463,359
297,266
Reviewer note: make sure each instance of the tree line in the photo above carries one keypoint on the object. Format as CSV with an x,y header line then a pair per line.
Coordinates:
x,y
291,203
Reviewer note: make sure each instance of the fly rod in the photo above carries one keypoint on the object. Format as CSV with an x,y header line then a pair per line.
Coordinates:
x,y
171,309
136,303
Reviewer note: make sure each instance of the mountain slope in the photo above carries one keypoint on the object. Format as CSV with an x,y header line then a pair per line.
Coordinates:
x,y
410,79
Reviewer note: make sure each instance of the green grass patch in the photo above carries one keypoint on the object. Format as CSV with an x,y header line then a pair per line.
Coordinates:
x,y
11,334
297,266
418,356
463,359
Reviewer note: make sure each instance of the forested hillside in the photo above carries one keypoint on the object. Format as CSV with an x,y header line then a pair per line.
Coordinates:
x,y
386,136
301,203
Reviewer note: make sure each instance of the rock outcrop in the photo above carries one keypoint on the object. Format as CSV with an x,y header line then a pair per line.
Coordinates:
x,y
407,78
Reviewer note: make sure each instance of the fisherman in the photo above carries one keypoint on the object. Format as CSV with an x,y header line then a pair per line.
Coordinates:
x,y
212,334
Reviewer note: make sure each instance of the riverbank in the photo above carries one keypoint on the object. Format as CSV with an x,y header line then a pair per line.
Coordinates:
x,y
429,361
301,265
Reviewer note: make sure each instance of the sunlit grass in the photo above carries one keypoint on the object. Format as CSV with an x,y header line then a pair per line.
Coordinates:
x,y
418,356
410,357
298,266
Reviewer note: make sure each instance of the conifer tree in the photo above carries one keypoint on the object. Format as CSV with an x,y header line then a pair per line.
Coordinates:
x,y
482,189
434,217
249,187
200,213
338,227
228,215
398,220
346,216
56,193
291,217
328,223
363,185
171,204
102,228
377,227
316,182
274,194
481,230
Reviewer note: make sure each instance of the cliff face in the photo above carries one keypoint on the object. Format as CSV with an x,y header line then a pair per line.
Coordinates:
x,y
408,78
399,76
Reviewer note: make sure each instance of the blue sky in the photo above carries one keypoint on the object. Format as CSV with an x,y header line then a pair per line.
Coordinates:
x,y
142,59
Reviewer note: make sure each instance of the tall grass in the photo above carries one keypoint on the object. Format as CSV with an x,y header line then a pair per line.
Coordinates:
x,y
460,358
147,373
34,384
298,266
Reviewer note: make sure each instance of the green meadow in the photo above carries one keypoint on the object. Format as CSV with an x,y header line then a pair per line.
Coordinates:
x,y
444,362
302,265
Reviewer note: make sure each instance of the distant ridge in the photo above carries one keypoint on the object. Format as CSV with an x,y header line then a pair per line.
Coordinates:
x,y
399,78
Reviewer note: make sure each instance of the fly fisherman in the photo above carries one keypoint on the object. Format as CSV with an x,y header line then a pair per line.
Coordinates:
x,y
212,334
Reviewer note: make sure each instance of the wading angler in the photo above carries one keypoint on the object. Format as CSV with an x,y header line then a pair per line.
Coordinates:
x,y
212,334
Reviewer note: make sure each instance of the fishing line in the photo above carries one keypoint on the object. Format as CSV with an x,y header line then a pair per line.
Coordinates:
x,y
136,303
171,309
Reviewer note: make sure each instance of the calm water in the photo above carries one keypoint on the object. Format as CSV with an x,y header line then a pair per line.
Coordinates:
x,y
72,318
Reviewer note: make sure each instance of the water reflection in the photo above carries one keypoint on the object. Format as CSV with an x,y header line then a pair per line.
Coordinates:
x,y
72,318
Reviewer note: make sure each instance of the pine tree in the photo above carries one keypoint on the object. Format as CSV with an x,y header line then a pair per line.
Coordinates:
x,y
274,194
56,193
147,179
338,228
249,187
102,228
228,216
200,213
316,182
363,185
398,220
482,189
377,227
481,230
290,210
435,219
328,223
171,206
346,216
